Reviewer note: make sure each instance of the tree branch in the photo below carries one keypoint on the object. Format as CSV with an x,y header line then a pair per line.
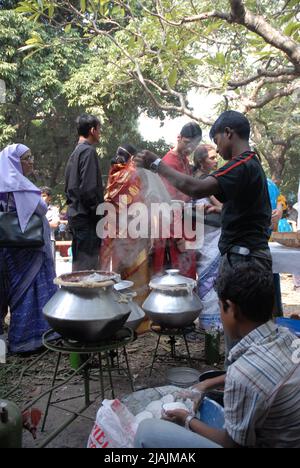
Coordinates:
x,y
258,25
255,23
179,109
287,142
271,74
268,97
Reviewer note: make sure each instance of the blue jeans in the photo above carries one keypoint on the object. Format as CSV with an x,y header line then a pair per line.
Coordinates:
x,y
155,433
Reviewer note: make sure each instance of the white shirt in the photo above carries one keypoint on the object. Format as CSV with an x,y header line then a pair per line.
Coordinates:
x,y
53,217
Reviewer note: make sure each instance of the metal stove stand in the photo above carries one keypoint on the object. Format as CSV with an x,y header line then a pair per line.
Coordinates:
x,y
99,356
172,334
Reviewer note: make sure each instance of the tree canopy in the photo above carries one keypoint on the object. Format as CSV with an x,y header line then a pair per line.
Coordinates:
x,y
249,51
148,55
46,91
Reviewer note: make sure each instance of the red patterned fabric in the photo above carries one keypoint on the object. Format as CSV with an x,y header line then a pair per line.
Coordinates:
x,y
165,251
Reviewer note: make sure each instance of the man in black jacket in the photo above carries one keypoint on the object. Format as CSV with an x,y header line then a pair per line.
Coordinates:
x,y
84,193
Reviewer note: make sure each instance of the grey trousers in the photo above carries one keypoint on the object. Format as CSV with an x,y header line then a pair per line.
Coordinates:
x,y
155,433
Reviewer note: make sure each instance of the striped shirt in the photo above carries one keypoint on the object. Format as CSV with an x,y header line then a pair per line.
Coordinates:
x,y
262,389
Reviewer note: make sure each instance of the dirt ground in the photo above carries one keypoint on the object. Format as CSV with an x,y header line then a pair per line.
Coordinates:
x,y
37,379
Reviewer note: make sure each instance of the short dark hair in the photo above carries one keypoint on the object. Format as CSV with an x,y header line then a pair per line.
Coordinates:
x,y
191,130
85,123
234,120
46,190
251,287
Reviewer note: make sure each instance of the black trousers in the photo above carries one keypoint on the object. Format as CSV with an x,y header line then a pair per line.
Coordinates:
x,y
85,247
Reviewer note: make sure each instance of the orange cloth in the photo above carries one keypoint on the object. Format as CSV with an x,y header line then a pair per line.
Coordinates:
x,y
116,254
122,181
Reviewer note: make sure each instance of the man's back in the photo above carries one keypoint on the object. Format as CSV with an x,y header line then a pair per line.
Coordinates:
x,y
262,398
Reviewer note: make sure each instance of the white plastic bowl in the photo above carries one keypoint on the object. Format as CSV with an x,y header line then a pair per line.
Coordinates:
x,y
176,405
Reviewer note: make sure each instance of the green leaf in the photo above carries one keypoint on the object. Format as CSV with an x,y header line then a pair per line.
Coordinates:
x,y
68,28
131,43
221,59
51,10
117,11
194,61
83,5
24,8
212,27
291,28
35,39
172,78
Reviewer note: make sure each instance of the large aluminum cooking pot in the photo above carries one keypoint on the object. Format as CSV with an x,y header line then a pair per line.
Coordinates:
x,y
86,307
172,302
137,314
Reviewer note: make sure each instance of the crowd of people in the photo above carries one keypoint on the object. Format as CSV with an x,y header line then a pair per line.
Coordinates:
x,y
241,206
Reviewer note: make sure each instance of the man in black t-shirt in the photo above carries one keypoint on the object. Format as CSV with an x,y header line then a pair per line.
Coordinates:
x,y
240,185
84,193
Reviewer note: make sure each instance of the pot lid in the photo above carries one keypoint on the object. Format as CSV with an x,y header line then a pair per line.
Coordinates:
x,y
172,280
90,279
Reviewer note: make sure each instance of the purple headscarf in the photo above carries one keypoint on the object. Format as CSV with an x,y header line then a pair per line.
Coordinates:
x,y
27,196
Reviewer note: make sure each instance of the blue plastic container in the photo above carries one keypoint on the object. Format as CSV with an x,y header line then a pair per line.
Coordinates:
x,y
212,414
292,324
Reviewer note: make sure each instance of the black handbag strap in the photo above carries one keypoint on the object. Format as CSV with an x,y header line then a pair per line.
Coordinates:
x,y
4,204
9,197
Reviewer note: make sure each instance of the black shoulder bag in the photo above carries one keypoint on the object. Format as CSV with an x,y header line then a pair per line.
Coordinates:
x,y
12,236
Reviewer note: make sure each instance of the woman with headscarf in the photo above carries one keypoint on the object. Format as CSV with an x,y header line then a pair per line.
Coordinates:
x,y
26,275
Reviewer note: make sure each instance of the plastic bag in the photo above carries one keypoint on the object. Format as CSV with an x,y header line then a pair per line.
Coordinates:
x,y
115,426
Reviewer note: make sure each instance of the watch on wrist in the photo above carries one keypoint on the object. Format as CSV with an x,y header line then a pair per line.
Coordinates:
x,y
187,421
154,166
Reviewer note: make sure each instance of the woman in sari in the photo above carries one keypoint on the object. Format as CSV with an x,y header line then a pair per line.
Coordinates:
x,y
26,275
208,259
126,256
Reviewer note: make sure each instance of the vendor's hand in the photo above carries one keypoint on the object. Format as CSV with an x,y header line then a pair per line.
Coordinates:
x,y
197,400
145,159
196,395
276,216
212,209
200,387
176,416
200,391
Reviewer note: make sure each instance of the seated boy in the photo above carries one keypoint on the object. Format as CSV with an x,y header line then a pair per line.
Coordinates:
x,y
261,396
